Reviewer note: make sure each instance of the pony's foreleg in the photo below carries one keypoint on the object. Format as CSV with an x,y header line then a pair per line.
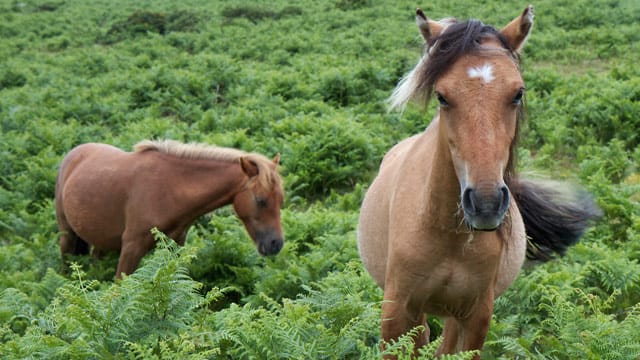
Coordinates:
x,y
470,332
450,333
133,249
398,319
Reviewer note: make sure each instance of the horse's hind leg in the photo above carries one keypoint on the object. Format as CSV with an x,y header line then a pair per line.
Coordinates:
x,y
71,244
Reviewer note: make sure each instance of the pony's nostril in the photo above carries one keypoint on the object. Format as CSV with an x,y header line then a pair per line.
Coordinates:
x,y
467,201
276,246
504,203
475,203
270,247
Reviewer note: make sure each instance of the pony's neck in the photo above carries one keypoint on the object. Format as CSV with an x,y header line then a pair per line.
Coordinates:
x,y
205,185
443,196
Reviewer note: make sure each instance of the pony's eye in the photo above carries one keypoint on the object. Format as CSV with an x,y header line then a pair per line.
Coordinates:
x,y
441,99
517,100
261,202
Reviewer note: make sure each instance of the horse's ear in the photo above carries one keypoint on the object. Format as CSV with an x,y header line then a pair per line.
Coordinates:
x,y
249,167
276,159
428,28
517,31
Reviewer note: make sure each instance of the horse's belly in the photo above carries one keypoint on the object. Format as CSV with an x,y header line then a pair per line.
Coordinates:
x,y
372,235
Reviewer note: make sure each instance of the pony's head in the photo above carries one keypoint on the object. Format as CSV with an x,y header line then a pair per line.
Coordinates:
x,y
258,203
473,71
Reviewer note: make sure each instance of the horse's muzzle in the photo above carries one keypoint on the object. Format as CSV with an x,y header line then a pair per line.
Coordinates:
x,y
485,210
269,243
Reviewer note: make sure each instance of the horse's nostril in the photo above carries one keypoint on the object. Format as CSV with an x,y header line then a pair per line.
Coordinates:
x,y
270,247
504,203
467,201
276,246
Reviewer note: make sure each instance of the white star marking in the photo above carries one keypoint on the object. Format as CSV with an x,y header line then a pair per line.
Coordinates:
x,y
485,72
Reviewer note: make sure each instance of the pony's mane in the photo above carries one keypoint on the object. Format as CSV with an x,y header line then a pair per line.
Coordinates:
x,y
267,175
456,40
190,150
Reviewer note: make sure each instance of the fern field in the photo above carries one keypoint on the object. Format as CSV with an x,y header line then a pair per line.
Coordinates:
x,y
309,80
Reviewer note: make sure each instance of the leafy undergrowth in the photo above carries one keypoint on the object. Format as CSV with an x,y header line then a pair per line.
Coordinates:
x,y
308,81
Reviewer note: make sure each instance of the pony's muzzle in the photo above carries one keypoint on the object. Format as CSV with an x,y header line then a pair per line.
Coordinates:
x,y
484,210
270,244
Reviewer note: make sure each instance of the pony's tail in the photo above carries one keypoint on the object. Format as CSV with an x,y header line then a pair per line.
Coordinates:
x,y
554,216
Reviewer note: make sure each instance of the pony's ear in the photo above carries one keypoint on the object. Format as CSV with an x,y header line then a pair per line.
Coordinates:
x,y
428,28
249,167
276,159
517,31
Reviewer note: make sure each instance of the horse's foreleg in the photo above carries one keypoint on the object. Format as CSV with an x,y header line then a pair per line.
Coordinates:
x,y
450,333
132,251
398,319
476,327
468,333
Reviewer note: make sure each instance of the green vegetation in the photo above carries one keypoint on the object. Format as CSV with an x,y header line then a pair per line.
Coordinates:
x,y
308,81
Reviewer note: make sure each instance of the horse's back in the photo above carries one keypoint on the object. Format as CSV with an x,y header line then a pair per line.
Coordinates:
x,y
373,224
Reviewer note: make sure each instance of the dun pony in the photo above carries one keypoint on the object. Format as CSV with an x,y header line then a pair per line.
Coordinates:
x,y
445,226
111,199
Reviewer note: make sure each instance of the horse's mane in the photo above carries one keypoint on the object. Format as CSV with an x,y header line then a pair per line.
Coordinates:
x,y
456,40
267,175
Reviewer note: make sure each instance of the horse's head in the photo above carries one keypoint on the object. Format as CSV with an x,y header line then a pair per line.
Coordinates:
x,y
473,70
258,203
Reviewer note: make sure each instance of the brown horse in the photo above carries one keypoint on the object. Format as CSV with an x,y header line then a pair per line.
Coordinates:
x,y
111,199
444,226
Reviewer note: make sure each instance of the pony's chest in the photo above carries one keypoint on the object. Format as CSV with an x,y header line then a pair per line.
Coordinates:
x,y
454,280
454,290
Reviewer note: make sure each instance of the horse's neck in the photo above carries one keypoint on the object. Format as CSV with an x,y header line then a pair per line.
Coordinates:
x,y
442,197
205,185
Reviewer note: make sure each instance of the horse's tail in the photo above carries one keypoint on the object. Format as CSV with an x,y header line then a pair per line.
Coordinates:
x,y
555,217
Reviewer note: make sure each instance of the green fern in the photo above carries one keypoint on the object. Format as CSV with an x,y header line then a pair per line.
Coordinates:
x,y
403,348
586,331
151,308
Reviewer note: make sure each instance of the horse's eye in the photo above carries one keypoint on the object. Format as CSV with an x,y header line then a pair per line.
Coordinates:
x,y
261,202
517,100
441,99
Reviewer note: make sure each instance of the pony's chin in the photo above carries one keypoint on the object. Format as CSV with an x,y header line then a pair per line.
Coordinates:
x,y
484,223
